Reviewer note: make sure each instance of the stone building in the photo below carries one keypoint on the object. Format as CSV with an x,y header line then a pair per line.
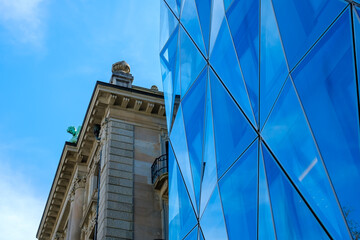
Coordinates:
x,y
103,187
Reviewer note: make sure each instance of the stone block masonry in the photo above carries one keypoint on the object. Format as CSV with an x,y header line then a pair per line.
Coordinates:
x,y
116,212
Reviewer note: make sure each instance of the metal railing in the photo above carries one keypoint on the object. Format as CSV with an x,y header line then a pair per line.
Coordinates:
x,y
159,167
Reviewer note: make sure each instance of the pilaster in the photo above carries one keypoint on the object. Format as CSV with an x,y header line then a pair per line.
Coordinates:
x,y
115,219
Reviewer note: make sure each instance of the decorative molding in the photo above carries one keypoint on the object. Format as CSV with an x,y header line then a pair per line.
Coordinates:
x,y
161,110
79,182
137,105
59,236
149,107
125,102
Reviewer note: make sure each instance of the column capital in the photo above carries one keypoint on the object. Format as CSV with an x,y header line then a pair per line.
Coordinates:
x,y
79,182
59,236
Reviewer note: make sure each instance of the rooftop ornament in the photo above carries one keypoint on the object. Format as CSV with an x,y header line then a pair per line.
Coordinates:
x,y
74,132
121,66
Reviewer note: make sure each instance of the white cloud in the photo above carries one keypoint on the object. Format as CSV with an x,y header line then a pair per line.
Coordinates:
x,y
22,19
20,208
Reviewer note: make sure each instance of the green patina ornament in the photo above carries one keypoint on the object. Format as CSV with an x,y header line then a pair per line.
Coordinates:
x,y
75,132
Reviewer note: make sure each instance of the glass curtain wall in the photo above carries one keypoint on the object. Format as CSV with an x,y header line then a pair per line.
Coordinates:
x,y
262,107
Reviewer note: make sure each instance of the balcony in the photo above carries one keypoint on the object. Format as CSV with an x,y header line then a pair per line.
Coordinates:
x,y
159,171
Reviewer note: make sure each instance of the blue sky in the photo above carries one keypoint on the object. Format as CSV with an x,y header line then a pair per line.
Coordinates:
x,y
51,55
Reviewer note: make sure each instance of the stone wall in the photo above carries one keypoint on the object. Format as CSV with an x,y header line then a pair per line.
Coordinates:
x,y
116,219
147,212
129,207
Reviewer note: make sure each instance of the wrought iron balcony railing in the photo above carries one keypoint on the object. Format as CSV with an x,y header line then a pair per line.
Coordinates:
x,y
159,167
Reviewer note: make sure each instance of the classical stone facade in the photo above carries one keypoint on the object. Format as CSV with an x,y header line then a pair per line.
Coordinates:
x,y
103,187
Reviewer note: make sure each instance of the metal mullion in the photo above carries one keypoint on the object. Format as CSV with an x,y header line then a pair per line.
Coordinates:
x,y
237,159
259,68
182,177
190,231
301,102
233,99
202,34
213,140
355,58
241,71
296,189
273,106
267,186
222,208
258,190
203,138
216,168
319,152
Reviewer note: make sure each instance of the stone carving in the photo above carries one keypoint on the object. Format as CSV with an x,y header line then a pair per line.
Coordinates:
x,y
121,66
75,132
59,236
79,182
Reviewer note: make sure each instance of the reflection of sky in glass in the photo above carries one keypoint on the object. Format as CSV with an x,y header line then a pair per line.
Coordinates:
x,y
292,218
288,135
330,103
238,189
324,82
273,69
266,225
209,161
191,62
181,215
217,16
178,139
212,221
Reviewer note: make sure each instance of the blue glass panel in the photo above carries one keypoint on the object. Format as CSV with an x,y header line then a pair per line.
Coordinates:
x,y
266,225
193,106
325,81
193,235
238,190
273,69
223,59
243,19
357,47
168,23
203,7
233,134
212,221
178,139
168,59
227,3
181,215
301,23
191,62
209,161
293,219
357,9
175,6
190,20
176,85
288,135
217,17
201,236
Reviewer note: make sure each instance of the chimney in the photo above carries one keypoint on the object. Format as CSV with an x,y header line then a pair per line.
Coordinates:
x,y
121,75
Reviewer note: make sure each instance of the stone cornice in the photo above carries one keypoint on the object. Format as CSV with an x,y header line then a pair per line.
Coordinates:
x,y
106,99
58,191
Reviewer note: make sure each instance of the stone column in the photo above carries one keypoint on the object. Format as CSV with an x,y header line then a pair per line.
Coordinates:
x,y
76,209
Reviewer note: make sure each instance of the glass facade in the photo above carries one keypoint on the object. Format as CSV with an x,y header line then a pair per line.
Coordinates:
x,y
262,106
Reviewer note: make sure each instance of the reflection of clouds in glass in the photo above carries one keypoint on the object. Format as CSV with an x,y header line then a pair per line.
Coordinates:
x,y
308,169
